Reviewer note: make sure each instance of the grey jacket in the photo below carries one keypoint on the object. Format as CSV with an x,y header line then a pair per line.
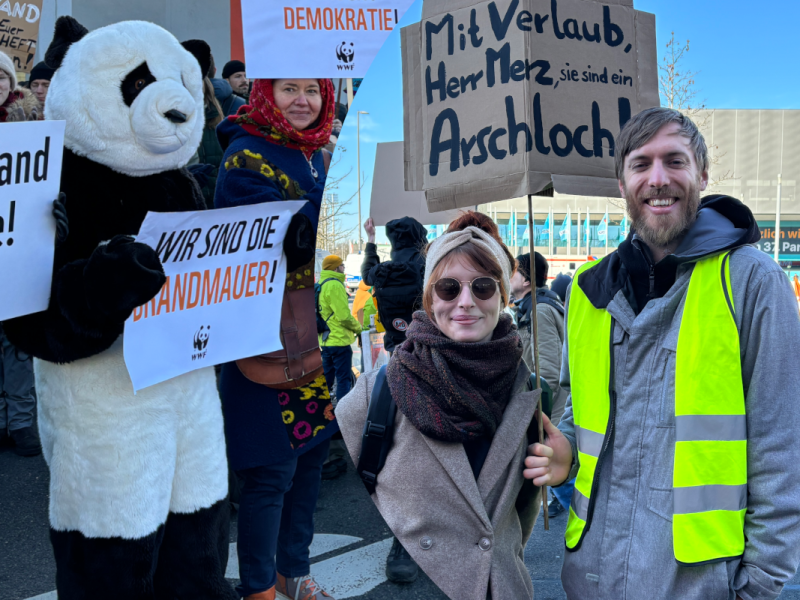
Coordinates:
x,y
468,536
550,323
627,553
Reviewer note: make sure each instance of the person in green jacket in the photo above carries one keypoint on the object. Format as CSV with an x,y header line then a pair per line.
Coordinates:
x,y
337,353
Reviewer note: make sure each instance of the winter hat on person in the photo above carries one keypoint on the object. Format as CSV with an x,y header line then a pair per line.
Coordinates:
x,y
232,67
444,244
331,262
41,71
7,65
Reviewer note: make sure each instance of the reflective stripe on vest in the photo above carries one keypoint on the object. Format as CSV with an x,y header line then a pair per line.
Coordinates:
x,y
710,469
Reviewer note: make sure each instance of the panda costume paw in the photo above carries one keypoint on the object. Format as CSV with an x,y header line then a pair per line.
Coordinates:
x,y
138,483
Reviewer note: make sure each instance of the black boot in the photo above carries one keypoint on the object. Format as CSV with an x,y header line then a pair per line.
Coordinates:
x,y
26,441
400,567
554,508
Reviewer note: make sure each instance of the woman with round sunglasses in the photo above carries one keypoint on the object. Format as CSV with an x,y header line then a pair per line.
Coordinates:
x,y
451,489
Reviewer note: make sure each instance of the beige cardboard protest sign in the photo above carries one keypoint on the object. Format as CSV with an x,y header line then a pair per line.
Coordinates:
x,y
19,31
502,98
390,200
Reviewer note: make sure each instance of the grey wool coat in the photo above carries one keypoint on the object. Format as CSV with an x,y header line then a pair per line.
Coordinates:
x,y
468,536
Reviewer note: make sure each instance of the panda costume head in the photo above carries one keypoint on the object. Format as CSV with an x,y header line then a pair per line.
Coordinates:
x,y
130,93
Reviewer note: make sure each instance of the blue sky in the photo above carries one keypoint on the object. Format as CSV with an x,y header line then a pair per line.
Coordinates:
x,y
745,54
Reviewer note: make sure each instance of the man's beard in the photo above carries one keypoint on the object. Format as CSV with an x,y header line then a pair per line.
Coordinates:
x,y
661,230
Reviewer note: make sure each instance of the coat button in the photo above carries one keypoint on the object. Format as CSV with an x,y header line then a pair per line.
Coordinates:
x,y
485,544
425,543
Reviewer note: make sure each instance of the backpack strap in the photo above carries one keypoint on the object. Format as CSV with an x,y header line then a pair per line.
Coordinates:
x,y
376,440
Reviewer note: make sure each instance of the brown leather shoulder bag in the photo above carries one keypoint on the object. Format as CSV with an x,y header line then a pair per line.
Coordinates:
x,y
299,362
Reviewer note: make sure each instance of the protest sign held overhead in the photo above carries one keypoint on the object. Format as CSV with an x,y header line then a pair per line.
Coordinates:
x,y
226,274
30,176
502,98
390,200
316,38
19,31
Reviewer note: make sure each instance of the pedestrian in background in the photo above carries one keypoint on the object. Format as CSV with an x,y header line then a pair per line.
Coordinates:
x,y
398,281
278,439
16,103
39,83
234,73
17,401
337,351
223,91
451,489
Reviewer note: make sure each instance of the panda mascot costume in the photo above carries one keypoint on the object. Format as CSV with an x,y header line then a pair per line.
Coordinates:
x,y
138,483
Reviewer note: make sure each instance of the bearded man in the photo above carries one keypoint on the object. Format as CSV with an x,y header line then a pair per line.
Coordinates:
x,y
681,362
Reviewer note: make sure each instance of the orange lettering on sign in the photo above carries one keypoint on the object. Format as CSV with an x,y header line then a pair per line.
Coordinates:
x,y
202,288
287,12
350,18
314,19
327,19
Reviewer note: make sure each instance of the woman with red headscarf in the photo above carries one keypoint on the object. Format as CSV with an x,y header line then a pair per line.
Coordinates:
x,y
278,439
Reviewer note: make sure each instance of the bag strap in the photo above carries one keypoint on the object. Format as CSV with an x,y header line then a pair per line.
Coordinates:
x,y
291,339
376,440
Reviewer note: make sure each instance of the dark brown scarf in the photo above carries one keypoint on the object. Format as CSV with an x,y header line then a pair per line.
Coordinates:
x,y
454,391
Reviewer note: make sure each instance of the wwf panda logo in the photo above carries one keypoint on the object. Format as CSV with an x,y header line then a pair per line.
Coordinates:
x,y
399,324
344,53
201,338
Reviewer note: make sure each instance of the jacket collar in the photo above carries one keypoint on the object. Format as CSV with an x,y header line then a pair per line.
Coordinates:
x,y
323,275
723,223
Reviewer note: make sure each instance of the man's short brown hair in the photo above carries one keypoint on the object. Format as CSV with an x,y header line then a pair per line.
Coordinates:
x,y
644,126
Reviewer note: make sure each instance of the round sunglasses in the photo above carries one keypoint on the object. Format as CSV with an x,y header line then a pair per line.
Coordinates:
x,y
449,288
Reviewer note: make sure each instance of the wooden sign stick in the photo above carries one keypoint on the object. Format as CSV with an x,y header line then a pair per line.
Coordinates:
x,y
535,340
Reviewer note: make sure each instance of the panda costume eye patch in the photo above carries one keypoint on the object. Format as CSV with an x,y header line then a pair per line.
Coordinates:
x,y
135,82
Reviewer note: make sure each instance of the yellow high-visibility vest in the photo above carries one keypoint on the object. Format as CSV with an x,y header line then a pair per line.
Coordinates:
x,y
710,470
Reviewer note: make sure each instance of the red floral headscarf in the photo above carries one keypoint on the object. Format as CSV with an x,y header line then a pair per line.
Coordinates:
x,y
263,117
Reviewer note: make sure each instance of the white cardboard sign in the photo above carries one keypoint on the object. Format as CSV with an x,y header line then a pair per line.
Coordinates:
x,y
503,97
316,38
226,273
30,178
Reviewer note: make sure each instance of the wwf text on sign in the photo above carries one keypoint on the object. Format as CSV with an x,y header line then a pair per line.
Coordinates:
x,y
503,97
226,275
316,38
30,175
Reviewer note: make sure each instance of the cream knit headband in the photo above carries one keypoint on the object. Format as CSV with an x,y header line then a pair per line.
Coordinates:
x,y
443,245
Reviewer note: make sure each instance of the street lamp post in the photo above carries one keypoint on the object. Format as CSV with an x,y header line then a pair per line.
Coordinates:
x,y
358,166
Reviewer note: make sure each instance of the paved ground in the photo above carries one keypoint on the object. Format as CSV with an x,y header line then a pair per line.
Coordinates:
x,y
348,553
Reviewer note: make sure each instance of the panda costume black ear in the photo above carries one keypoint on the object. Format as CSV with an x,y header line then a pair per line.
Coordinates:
x,y
202,52
68,31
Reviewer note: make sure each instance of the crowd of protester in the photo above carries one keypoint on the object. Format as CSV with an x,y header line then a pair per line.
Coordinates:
x,y
462,371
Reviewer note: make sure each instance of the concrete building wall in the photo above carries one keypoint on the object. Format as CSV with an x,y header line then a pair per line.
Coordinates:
x,y
208,20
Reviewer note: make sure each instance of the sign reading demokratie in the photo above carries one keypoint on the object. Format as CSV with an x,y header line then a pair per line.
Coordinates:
x,y
226,273
316,38
30,178
503,97
19,30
